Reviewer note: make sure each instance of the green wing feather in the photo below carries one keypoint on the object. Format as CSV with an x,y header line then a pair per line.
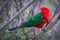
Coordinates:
x,y
37,19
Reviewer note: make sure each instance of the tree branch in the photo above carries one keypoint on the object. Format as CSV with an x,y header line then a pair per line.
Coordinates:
x,y
49,26
3,5
13,17
56,11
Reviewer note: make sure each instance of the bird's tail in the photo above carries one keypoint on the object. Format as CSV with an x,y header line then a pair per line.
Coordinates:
x,y
23,25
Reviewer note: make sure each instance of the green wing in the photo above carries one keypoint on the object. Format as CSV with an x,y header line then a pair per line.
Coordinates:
x,y
37,19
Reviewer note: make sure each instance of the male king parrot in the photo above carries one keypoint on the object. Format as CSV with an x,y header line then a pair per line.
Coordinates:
x,y
38,20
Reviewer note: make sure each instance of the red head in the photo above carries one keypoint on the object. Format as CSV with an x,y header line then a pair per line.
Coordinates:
x,y
44,10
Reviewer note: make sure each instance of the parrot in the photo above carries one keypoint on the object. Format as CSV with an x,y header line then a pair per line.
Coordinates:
x,y
38,21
